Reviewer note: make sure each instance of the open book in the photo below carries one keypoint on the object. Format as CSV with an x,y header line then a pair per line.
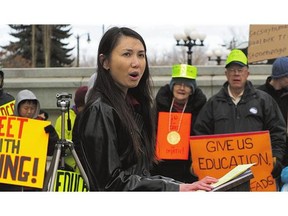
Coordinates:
x,y
235,177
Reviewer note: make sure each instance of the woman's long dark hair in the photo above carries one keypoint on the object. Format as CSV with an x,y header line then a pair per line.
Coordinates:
x,y
105,86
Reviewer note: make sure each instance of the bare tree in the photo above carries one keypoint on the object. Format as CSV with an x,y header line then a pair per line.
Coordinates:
x,y
178,55
238,38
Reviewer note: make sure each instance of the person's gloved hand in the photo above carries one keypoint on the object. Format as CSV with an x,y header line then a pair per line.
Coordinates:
x,y
277,168
53,138
49,129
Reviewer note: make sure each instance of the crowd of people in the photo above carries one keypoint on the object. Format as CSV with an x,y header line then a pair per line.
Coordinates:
x,y
115,121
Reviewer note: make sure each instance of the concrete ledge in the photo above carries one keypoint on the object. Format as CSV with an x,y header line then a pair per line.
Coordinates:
x,y
47,82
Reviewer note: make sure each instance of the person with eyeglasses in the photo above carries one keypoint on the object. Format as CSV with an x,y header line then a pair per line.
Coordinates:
x,y
182,96
240,107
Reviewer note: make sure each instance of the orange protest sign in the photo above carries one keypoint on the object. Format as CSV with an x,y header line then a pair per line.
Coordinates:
x,y
7,109
173,135
215,155
23,149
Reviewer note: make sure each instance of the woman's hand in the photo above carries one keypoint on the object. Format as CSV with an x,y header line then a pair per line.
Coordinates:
x,y
203,184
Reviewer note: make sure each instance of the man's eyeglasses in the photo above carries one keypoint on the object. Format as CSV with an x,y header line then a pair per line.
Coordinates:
x,y
234,70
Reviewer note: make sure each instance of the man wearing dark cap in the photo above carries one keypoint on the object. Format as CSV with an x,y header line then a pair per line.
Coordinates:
x,y
6,100
180,96
240,107
277,86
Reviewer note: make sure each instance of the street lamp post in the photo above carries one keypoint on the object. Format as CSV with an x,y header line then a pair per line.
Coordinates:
x,y
190,39
78,46
218,53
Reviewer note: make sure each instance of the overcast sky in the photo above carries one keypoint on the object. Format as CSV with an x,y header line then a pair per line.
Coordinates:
x,y
157,22
159,38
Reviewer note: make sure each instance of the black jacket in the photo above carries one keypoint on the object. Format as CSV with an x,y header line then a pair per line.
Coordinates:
x,y
281,98
104,153
178,169
5,97
256,111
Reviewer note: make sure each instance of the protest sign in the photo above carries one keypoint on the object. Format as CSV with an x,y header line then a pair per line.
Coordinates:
x,y
173,135
67,181
23,149
267,42
215,155
7,109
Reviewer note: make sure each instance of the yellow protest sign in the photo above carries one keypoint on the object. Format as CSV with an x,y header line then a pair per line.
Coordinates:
x,y
67,181
23,149
7,109
215,155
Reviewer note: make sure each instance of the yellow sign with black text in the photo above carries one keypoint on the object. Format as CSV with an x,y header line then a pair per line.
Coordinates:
x,y
67,181
23,149
7,109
